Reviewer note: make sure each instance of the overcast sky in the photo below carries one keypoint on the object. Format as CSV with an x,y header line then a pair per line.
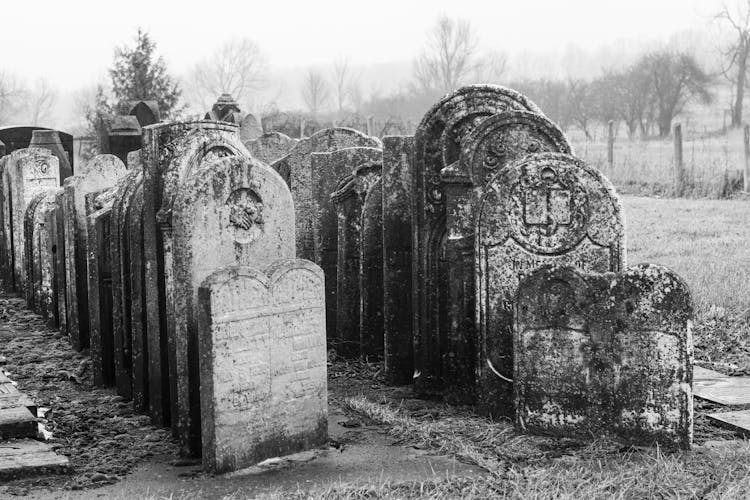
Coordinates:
x,y
72,42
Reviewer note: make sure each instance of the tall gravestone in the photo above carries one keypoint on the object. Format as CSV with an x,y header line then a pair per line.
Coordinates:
x,y
296,169
27,172
398,349
56,222
32,271
230,211
438,141
327,169
268,326
544,209
348,200
371,272
171,151
101,172
271,146
605,354
44,252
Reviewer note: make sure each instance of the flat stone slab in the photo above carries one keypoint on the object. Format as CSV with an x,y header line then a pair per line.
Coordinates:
x,y
17,422
25,457
705,374
730,391
15,400
738,420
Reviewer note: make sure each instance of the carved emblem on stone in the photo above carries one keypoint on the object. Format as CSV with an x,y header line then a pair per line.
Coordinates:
x,y
549,209
245,215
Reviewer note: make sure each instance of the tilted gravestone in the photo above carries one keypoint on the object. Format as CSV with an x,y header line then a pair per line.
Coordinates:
x,y
544,209
101,172
230,211
271,146
327,169
171,151
296,169
348,200
398,349
605,354
437,145
27,172
371,273
262,363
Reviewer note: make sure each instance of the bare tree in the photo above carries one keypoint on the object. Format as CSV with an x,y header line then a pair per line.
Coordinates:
x,y
735,56
449,58
315,92
238,67
40,101
341,82
491,68
11,95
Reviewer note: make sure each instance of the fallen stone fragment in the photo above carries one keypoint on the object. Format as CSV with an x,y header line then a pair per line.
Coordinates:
x,y
737,420
730,391
26,457
17,422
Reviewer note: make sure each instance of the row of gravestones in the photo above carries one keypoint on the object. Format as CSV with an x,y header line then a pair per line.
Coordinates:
x,y
426,241
424,244
177,272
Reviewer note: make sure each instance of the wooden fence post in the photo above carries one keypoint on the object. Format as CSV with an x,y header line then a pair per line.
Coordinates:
x,y
746,176
611,144
679,167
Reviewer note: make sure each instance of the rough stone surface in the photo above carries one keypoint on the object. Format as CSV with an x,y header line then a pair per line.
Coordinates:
x,y
438,142
269,326
271,146
296,169
327,169
371,272
398,350
605,354
50,140
348,199
250,129
27,172
101,172
44,255
547,208
30,259
57,225
230,211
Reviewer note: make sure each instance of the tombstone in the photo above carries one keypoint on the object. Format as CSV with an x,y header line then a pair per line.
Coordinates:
x,y
326,170
171,151
545,209
99,173
250,129
271,146
99,210
605,354
398,350
50,140
57,223
371,273
230,211
437,145
3,149
348,200
16,138
268,325
146,112
123,135
26,173
225,109
296,169
32,271
44,255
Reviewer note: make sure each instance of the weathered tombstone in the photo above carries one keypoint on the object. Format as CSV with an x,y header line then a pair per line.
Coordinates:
x,y
50,140
348,199
27,172
271,146
397,266
268,326
325,171
146,112
544,209
99,173
99,210
15,138
371,273
225,109
171,151
57,225
45,235
605,354
32,285
437,145
123,135
250,129
230,211
296,169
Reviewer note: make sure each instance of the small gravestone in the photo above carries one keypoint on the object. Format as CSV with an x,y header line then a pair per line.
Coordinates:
x,y
50,140
397,277
371,272
348,199
268,327
296,169
101,172
27,172
603,354
230,211
545,209
250,129
327,169
271,146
